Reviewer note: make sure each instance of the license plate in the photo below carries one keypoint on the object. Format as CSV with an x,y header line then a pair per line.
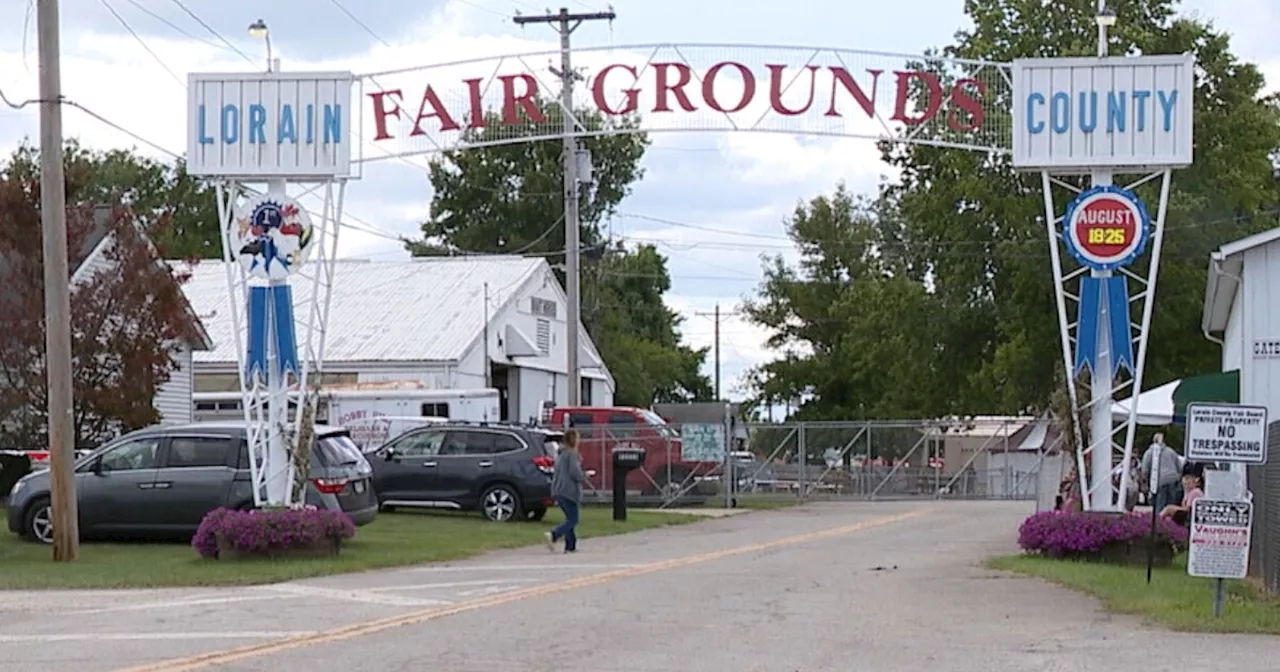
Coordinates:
x,y
359,487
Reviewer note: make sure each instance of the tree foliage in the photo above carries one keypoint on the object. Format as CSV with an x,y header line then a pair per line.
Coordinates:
x,y
127,315
935,298
509,199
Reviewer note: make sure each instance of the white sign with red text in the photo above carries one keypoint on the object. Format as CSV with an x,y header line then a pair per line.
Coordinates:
x,y
1220,535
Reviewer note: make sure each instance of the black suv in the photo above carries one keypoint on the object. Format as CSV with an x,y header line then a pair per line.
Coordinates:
x,y
503,471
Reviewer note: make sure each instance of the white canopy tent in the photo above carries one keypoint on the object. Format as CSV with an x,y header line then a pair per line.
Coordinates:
x,y
1155,406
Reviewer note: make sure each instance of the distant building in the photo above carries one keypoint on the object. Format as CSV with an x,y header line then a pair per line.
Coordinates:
x,y
425,319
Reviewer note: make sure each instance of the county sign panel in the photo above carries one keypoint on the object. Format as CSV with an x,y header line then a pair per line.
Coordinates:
x,y
1082,114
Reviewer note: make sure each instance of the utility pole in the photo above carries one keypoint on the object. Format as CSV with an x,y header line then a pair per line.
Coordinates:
x,y
715,348
57,290
565,23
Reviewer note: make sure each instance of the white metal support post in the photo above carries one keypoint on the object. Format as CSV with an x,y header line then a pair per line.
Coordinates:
x,y
1101,499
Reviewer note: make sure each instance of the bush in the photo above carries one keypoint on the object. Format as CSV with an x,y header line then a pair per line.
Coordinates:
x,y
271,532
1063,534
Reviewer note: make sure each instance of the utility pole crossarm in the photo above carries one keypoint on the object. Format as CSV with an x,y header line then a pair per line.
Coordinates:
x,y
564,17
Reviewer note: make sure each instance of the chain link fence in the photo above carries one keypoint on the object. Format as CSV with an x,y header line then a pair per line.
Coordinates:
x,y
687,464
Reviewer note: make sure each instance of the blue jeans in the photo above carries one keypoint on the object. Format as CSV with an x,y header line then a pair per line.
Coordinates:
x,y
565,530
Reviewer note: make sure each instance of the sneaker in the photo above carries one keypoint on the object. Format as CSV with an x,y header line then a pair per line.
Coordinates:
x,y
570,550
551,542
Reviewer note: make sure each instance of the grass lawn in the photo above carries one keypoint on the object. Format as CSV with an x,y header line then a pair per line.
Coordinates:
x,y
1173,599
394,539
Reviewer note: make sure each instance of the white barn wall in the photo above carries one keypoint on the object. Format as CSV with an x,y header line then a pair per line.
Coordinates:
x,y
173,398
1233,338
1259,300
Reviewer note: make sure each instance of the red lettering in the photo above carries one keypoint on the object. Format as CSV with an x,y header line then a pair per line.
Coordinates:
x,y
841,77
526,102
933,99
684,76
963,102
631,96
477,102
776,90
709,87
438,110
381,112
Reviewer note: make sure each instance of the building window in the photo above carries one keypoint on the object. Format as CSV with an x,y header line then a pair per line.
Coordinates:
x,y
584,394
436,410
544,336
542,307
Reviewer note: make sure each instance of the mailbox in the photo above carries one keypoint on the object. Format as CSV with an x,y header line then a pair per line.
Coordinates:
x,y
625,459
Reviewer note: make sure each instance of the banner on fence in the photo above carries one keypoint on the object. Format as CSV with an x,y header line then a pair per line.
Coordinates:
x,y
702,442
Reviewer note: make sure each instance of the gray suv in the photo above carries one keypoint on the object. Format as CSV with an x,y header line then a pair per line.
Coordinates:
x,y
161,481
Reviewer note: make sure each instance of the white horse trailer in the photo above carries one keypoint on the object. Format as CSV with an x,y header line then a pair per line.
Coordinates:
x,y
374,414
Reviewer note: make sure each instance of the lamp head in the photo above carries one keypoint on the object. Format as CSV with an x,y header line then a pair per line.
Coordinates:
x,y
1106,17
258,29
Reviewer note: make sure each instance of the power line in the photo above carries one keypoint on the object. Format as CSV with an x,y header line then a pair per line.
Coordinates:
x,y
214,32
143,42
343,8
158,17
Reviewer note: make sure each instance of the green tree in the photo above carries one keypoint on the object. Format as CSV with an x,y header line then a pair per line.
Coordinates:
x,y
856,324
150,188
505,197
971,229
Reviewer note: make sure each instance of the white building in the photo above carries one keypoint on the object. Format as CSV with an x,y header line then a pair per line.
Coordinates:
x,y
426,319
1242,313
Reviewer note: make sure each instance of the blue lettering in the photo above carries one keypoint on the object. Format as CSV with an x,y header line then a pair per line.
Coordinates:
x,y
1034,126
287,130
230,124
1088,111
311,124
1060,113
257,124
1167,101
332,124
1140,107
201,123
1116,111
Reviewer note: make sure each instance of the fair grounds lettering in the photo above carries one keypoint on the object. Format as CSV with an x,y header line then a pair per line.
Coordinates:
x,y
727,87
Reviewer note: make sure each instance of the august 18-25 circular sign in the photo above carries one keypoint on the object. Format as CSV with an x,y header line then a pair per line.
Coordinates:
x,y
1106,228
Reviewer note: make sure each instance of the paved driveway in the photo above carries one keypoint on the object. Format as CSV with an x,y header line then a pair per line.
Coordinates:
x,y
875,587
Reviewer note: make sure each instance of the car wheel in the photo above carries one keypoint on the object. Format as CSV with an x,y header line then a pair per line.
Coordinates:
x,y
501,504
671,486
38,526
535,515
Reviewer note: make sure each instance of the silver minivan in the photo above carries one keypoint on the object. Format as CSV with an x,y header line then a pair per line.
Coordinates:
x,y
161,481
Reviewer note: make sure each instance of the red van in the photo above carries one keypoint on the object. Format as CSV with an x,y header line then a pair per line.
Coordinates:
x,y
603,428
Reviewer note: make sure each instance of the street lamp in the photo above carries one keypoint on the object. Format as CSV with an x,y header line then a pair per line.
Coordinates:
x,y
258,29
1106,17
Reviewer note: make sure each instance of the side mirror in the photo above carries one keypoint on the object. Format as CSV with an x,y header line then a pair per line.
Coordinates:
x,y
96,467
389,454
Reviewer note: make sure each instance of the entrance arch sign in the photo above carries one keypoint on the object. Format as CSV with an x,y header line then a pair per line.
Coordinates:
x,y
660,88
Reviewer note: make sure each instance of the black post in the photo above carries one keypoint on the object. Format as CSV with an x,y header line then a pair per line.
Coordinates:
x,y
619,493
1151,543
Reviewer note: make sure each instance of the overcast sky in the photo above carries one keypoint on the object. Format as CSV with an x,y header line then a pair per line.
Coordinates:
x,y
712,201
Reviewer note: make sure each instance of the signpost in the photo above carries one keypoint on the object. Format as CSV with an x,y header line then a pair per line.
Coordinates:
x,y
1219,546
1221,527
1227,433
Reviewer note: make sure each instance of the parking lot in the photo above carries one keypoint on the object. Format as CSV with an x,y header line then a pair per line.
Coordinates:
x,y
877,586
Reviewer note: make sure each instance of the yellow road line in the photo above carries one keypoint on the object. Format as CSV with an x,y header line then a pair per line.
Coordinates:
x,y
201,661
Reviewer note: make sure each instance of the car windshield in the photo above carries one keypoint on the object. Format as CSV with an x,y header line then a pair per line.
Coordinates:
x,y
337,450
654,420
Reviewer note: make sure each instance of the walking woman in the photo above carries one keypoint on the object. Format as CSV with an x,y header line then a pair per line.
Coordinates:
x,y
566,488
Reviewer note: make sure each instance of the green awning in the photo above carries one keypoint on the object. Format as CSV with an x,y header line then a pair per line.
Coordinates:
x,y
1221,387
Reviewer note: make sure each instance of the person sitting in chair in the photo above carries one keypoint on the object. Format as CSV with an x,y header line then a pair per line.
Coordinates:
x,y
1193,489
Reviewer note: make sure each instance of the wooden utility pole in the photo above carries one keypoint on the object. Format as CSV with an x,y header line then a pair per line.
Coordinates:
x,y
565,23
57,290
715,347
